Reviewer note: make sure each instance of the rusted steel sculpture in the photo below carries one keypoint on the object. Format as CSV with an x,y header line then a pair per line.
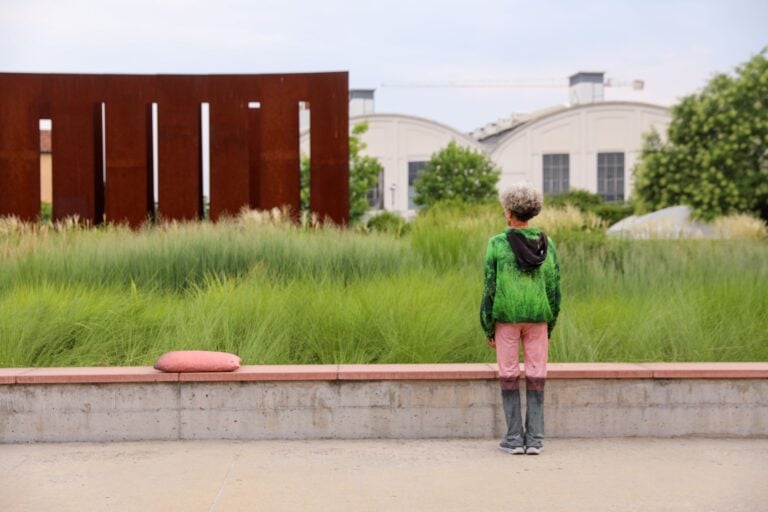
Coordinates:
x,y
254,153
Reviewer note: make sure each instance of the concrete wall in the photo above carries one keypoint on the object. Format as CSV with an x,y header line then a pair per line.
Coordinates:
x,y
399,407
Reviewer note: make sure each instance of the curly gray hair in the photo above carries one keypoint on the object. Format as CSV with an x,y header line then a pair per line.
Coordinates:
x,y
522,200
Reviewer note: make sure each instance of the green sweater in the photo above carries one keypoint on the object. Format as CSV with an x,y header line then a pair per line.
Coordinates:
x,y
511,295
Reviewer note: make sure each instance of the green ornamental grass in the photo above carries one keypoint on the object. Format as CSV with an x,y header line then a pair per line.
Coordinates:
x,y
275,292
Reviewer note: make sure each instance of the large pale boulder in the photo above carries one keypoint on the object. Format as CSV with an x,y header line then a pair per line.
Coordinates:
x,y
669,223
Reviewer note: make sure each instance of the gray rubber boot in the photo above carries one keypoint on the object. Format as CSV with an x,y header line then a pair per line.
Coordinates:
x,y
510,398
534,418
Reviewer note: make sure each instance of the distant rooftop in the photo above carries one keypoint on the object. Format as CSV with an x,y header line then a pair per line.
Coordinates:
x,y
492,132
595,77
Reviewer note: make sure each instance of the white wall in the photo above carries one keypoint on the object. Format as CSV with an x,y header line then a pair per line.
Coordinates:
x,y
582,132
398,139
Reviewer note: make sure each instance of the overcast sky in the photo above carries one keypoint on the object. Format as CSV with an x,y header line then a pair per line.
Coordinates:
x,y
673,45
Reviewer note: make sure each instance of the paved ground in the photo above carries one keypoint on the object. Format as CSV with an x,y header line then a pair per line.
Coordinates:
x,y
571,475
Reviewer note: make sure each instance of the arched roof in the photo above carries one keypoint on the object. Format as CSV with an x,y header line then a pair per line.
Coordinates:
x,y
498,140
424,122
420,121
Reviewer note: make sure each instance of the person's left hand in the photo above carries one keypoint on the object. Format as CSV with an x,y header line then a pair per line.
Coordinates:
x,y
491,343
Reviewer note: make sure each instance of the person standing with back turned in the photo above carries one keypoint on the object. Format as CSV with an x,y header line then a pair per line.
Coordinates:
x,y
521,302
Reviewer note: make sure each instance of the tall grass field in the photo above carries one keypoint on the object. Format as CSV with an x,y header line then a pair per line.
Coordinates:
x,y
275,292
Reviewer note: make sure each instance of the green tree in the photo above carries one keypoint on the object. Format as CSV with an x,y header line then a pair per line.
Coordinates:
x,y
364,174
716,156
456,173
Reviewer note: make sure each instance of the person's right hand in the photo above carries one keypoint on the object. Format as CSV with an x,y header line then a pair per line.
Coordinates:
x,y
491,343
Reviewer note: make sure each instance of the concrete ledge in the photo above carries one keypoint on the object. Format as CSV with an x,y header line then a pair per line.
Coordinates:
x,y
9,375
708,370
368,372
93,375
378,401
416,371
597,371
296,373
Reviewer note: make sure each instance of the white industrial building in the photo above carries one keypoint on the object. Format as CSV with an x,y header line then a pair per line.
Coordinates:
x,y
403,144
589,144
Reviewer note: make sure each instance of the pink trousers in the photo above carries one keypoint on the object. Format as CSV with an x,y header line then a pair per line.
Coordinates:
x,y
535,344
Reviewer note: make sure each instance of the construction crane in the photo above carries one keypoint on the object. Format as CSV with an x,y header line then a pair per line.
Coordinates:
x,y
637,85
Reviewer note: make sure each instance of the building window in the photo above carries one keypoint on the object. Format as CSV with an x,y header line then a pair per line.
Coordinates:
x,y
376,194
414,171
610,176
556,174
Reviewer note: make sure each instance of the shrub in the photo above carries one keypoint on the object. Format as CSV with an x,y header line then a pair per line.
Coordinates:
x,y
612,213
581,199
46,212
457,172
740,227
588,202
388,222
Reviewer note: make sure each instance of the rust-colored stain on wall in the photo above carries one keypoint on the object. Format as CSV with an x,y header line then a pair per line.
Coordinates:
x,y
105,170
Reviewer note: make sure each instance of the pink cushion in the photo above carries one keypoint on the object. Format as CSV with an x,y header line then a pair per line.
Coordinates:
x,y
197,361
